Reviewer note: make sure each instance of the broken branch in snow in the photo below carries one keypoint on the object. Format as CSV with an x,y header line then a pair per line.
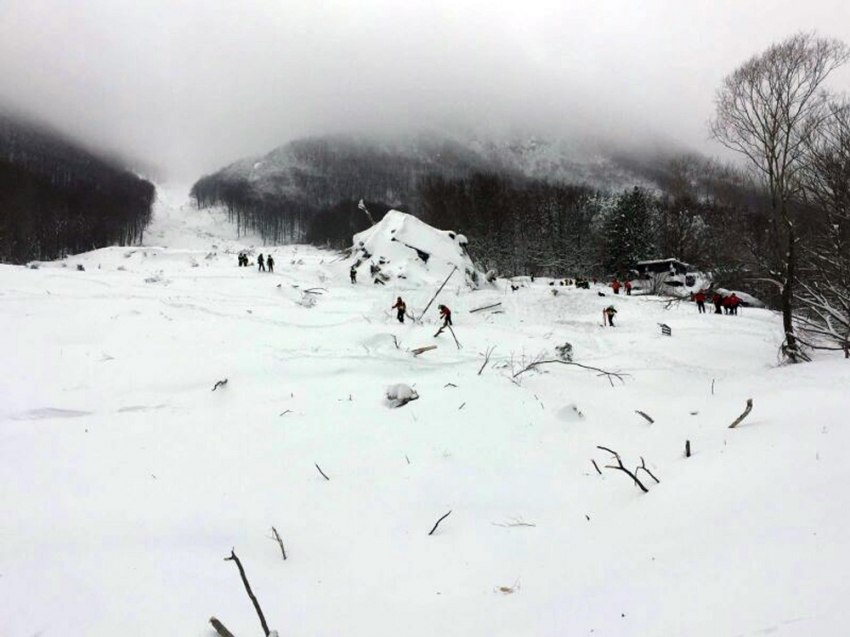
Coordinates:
x,y
687,448
322,472
431,532
598,470
219,383
283,413
314,290
643,466
602,372
420,350
449,385
743,415
220,628
622,468
280,542
486,356
640,413
486,307
513,523
437,292
254,601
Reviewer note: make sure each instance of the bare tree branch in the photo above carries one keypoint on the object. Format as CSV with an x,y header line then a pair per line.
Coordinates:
x,y
254,601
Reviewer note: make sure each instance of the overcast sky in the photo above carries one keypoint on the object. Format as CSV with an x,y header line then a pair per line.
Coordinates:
x,y
191,85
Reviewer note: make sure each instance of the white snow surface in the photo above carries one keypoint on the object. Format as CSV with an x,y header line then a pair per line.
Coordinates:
x,y
126,480
398,243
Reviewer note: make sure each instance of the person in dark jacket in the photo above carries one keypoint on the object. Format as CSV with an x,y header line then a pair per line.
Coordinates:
x,y
261,264
717,299
609,313
353,274
270,263
400,308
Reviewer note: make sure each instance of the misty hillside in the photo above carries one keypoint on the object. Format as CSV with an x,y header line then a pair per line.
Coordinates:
x,y
307,177
58,198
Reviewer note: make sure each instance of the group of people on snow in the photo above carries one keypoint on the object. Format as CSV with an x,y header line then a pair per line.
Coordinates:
x,y
261,262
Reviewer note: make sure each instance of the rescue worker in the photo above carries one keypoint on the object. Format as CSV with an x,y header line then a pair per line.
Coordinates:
x,y
353,274
445,314
717,299
609,313
628,287
270,263
261,265
615,285
699,297
400,308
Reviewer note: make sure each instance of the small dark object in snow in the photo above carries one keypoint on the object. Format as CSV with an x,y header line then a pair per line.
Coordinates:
x,y
601,293
219,383
80,268
665,330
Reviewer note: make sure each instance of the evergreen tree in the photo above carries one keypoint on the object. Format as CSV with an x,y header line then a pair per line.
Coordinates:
x,y
628,231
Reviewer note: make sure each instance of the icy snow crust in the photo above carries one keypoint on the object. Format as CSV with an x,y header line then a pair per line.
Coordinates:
x,y
125,480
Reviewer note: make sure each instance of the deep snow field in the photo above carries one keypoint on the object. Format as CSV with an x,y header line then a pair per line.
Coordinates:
x,y
125,480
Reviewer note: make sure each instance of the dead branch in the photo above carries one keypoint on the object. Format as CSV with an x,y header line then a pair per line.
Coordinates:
x,y
431,532
598,470
419,350
314,290
322,472
437,292
280,542
610,375
462,405
254,601
622,468
643,466
486,307
640,413
219,383
486,356
743,415
219,628
449,385
283,413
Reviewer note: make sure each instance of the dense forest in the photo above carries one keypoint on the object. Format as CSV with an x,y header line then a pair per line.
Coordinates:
x,y
58,199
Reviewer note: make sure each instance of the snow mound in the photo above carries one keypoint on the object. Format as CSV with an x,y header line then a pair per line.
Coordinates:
x,y
401,246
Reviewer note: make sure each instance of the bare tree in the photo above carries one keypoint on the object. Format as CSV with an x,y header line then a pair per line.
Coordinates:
x,y
824,316
766,110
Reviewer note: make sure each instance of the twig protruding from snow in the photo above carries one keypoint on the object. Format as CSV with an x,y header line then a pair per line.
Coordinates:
x,y
280,542
640,413
622,468
322,472
743,415
431,532
248,590
219,383
220,628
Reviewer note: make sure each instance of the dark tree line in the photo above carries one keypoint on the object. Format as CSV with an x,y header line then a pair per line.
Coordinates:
x,y
56,199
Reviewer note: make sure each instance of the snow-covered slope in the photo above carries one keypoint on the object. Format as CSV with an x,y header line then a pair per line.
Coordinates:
x,y
126,480
401,246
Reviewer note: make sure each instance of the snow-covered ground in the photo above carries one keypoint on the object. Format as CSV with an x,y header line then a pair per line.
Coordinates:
x,y
126,480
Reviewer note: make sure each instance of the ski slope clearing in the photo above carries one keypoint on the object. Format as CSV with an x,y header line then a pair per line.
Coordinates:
x,y
127,480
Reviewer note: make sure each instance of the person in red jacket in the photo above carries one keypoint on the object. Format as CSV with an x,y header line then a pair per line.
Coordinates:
x,y
699,297
628,287
445,314
400,308
615,285
734,302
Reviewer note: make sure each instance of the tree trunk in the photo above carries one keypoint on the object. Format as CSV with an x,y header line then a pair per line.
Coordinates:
x,y
791,350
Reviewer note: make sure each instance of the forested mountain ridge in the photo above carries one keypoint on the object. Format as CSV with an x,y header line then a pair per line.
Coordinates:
x,y
308,189
58,198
